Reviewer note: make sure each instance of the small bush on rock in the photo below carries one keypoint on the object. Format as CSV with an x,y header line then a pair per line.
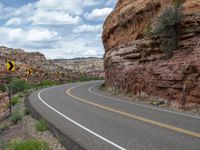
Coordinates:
x,y
169,27
148,30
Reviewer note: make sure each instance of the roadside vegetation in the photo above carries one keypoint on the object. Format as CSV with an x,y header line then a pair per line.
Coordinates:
x,y
85,78
41,125
27,111
17,85
14,100
2,88
3,128
16,117
27,145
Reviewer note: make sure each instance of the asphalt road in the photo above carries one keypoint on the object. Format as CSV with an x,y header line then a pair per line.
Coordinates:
x,y
99,121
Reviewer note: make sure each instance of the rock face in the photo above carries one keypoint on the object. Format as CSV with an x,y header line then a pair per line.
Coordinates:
x,y
133,62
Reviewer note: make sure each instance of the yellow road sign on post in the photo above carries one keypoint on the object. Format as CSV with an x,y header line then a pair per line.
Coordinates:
x,y
10,66
29,72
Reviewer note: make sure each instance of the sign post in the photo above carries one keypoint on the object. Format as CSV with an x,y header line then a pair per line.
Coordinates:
x,y
10,67
10,97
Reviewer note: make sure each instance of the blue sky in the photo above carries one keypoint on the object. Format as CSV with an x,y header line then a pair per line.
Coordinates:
x,y
57,28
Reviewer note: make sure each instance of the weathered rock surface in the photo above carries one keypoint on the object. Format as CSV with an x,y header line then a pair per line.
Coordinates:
x,y
133,62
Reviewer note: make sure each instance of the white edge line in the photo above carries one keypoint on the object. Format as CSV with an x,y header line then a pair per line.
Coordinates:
x,y
76,123
132,103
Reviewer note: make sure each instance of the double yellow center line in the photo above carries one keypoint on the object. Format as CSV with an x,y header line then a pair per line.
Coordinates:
x,y
134,116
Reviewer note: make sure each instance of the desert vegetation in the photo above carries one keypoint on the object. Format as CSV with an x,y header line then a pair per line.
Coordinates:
x,y
169,27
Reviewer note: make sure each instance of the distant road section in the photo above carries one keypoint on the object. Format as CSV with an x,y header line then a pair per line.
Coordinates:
x,y
99,121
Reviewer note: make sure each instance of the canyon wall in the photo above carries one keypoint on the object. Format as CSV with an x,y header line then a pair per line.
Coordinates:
x,y
133,61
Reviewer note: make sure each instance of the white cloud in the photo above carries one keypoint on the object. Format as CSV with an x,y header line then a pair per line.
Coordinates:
x,y
5,11
71,6
88,28
76,47
40,35
22,37
14,21
24,11
111,2
98,14
53,18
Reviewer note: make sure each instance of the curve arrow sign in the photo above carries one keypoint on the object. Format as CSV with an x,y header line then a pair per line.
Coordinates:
x,y
10,65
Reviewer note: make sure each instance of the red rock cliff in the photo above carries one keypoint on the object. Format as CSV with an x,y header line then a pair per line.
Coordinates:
x,y
133,61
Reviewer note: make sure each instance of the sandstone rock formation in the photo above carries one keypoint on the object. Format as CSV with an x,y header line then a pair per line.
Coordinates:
x,y
133,62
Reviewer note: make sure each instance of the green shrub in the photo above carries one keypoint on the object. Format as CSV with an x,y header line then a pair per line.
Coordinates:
x,y
46,82
17,85
37,86
21,95
8,79
31,86
148,30
2,88
25,92
27,111
168,26
28,145
15,117
41,125
14,100
86,78
3,127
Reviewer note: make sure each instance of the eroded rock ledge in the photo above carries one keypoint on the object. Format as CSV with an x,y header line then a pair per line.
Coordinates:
x,y
133,63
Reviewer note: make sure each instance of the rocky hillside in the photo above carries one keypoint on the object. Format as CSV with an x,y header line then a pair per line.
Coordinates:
x,y
88,66
42,68
133,60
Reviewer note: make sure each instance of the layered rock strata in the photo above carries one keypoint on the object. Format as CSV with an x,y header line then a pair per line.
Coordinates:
x,y
133,61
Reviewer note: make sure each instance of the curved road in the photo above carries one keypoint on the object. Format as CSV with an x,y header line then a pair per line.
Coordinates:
x,y
99,121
